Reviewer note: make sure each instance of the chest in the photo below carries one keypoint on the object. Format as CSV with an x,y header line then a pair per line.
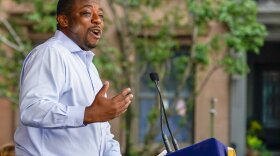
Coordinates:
x,y
82,80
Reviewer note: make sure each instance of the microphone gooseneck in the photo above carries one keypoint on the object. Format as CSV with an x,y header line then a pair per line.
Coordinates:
x,y
154,77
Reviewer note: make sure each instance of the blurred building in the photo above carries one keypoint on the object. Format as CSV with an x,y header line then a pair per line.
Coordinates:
x,y
8,113
262,84
236,100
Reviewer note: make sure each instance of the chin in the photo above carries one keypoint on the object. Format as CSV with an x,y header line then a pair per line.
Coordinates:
x,y
90,46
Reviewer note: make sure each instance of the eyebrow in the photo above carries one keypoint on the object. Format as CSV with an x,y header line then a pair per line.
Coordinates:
x,y
100,9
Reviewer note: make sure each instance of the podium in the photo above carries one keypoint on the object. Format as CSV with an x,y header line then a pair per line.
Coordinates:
x,y
208,147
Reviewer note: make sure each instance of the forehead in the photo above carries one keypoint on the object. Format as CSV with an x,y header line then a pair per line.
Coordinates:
x,y
83,3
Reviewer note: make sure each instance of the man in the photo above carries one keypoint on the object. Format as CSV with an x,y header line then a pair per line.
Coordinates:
x,y
63,105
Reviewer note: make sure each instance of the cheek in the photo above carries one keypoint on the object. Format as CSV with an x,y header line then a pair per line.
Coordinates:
x,y
102,27
76,28
79,26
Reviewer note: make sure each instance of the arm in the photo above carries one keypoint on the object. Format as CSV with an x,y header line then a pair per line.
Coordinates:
x,y
42,82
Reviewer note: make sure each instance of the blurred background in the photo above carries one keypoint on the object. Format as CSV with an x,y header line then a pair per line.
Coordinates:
x,y
218,62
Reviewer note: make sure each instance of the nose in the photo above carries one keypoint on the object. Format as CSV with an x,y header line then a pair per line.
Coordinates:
x,y
96,19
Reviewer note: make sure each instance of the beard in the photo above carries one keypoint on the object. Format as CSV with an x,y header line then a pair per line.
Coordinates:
x,y
89,46
89,43
83,40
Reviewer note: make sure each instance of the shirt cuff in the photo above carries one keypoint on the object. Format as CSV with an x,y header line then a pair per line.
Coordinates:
x,y
76,116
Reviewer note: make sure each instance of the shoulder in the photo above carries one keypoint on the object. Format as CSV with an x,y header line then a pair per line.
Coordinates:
x,y
51,48
52,45
50,53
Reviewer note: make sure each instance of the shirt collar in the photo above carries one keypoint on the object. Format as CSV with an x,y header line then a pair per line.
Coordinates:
x,y
68,43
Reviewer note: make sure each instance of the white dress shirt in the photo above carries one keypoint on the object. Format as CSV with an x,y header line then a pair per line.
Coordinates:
x,y
58,80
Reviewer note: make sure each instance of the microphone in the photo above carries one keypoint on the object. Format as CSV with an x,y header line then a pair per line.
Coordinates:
x,y
154,77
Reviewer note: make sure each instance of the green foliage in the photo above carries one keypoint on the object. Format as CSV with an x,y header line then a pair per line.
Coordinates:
x,y
155,49
245,33
138,3
10,67
203,11
43,17
110,64
201,55
253,138
254,142
153,115
235,65
180,64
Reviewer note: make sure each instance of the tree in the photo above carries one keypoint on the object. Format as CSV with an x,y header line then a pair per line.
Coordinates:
x,y
145,42
14,46
244,34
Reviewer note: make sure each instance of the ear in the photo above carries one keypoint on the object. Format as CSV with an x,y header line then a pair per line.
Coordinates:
x,y
62,21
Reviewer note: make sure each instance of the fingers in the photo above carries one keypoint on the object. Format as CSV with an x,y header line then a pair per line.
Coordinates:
x,y
123,100
128,98
125,106
104,89
105,109
123,95
123,109
126,91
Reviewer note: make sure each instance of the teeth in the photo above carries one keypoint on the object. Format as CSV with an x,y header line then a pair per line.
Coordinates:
x,y
96,31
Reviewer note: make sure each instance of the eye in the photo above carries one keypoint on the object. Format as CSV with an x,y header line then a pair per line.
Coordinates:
x,y
86,14
101,16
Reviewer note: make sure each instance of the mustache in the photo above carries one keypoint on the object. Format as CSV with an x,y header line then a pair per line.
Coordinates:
x,y
94,28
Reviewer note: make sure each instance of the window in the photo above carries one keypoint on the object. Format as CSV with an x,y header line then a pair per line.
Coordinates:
x,y
180,123
271,99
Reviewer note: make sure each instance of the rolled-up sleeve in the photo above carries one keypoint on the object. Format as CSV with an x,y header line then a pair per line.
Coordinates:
x,y
42,83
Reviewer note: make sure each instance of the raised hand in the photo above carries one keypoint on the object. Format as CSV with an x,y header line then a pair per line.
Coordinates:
x,y
105,109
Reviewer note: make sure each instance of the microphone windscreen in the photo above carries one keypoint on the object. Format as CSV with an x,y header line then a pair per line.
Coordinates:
x,y
154,76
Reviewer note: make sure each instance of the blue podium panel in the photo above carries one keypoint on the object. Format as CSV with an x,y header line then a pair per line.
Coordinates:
x,y
208,147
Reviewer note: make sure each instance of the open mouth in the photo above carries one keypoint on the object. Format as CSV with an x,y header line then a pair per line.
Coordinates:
x,y
96,33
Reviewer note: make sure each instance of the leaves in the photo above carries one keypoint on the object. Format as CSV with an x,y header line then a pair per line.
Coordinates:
x,y
202,11
245,33
235,65
43,17
201,54
10,67
153,43
138,3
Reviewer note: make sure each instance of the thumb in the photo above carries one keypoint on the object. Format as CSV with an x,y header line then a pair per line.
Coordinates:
x,y
104,89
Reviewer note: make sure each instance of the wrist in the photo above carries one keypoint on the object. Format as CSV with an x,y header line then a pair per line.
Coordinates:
x,y
88,117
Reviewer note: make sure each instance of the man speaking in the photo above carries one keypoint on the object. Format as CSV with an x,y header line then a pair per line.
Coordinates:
x,y
64,109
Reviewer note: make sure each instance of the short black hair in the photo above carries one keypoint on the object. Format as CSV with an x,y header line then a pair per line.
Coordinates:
x,y
64,7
